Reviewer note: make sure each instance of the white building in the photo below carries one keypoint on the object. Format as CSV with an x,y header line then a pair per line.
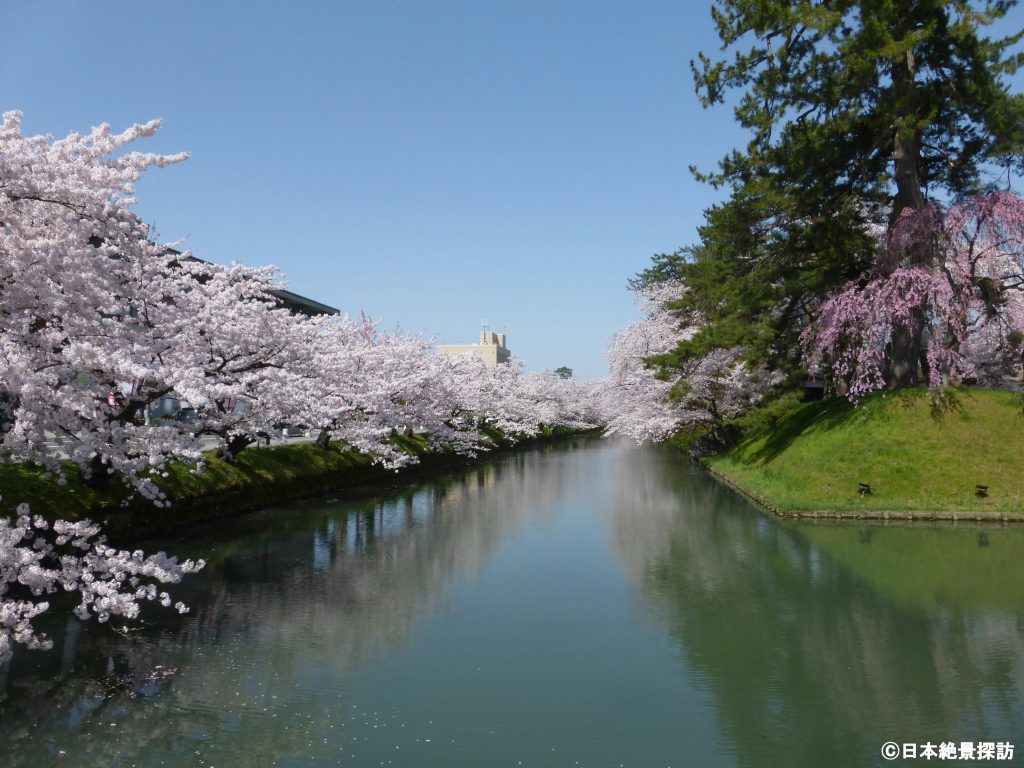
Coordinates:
x,y
491,349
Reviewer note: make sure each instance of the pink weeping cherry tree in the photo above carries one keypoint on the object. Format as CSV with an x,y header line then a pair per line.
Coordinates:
x,y
951,278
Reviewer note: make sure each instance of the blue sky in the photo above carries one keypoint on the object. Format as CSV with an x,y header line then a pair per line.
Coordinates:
x,y
434,164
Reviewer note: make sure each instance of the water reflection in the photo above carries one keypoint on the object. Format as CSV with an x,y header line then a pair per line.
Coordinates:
x,y
598,604
820,642
273,618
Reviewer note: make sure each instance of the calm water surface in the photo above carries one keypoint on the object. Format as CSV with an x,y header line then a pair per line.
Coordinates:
x,y
595,604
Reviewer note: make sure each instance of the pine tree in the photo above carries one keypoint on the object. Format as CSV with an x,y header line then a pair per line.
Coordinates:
x,y
858,111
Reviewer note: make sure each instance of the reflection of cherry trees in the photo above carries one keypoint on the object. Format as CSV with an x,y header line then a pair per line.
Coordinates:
x,y
800,659
805,661
270,621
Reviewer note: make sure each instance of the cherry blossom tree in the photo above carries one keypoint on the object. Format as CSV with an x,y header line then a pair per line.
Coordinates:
x,y
371,385
98,322
562,401
80,282
634,400
244,365
705,392
516,403
38,558
952,277
78,279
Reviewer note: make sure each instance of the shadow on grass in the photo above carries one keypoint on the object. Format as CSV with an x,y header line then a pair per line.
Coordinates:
x,y
825,414
828,414
947,401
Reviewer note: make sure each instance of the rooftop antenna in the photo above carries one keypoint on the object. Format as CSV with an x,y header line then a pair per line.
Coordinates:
x,y
484,325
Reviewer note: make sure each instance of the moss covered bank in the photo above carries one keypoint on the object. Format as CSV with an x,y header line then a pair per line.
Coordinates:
x,y
258,478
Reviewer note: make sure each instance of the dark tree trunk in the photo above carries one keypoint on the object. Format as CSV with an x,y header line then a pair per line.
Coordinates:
x,y
323,438
234,447
905,346
906,155
98,476
905,355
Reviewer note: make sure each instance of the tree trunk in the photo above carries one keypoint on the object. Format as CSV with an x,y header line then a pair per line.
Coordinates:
x,y
323,439
905,355
235,446
905,346
98,476
906,155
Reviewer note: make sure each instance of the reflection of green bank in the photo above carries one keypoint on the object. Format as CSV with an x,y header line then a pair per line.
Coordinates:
x,y
258,478
930,567
915,458
821,641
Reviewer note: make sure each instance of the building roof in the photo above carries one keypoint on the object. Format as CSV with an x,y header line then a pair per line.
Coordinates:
x,y
302,304
290,300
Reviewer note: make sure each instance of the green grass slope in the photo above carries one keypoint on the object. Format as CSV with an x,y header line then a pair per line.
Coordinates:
x,y
914,458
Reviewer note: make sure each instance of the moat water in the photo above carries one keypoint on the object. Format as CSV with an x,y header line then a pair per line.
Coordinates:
x,y
591,604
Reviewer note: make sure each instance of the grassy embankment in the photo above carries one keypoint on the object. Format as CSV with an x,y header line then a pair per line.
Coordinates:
x,y
918,463
258,478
